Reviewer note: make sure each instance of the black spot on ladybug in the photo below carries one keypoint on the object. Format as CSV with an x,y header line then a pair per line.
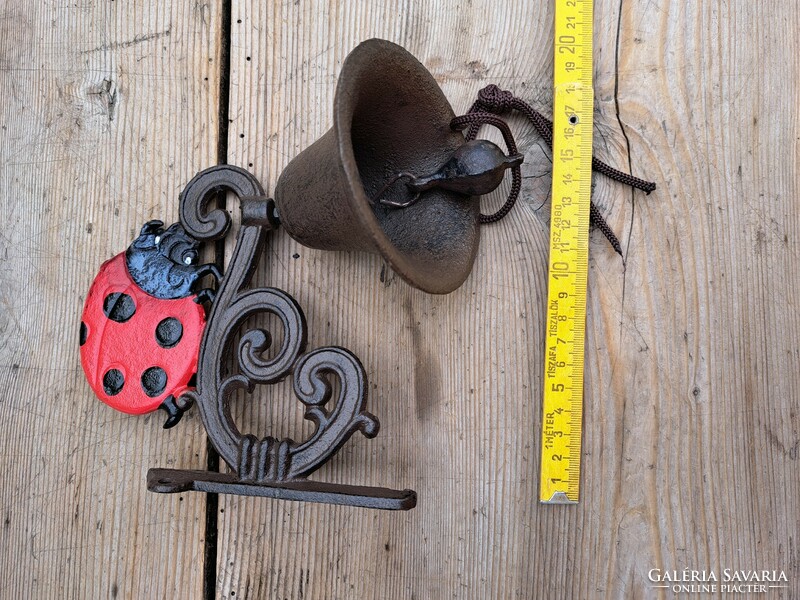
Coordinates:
x,y
169,332
119,307
154,380
113,381
84,333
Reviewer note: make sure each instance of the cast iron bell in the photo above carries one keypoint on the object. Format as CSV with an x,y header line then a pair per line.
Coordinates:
x,y
391,121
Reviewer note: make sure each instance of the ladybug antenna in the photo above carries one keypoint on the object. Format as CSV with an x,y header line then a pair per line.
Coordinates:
x,y
177,227
151,227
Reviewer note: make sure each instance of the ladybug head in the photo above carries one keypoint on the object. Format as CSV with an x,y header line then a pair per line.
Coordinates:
x,y
173,243
163,262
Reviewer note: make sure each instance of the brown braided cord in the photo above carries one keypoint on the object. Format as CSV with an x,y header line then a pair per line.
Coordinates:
x,y
473,120
492,99
598,221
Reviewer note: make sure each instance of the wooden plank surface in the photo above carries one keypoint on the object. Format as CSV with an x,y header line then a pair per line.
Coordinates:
x,y
107,110
692,434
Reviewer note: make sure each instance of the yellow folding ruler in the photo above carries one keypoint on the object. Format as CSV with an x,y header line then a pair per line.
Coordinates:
x,y
569,254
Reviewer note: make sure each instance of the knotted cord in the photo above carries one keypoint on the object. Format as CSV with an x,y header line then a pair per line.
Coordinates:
x,y
495,101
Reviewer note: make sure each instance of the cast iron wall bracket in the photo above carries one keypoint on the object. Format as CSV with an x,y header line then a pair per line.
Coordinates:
x,y
267,467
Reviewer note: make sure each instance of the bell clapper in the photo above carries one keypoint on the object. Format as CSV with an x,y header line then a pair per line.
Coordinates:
x,y
476,168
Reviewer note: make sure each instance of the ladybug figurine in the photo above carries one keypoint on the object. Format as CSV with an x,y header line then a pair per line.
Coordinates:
x,y
143,321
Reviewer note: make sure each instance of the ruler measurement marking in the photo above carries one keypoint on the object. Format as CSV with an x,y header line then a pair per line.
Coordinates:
x,y
569,246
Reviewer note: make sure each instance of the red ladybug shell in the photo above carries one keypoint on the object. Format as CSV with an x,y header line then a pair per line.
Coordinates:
x,y
127,336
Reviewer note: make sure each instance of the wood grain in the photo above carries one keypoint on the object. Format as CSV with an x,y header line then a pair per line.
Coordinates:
x,y
107,110
691,434
439,366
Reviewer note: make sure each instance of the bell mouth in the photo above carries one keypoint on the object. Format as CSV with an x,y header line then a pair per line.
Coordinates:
x,y
390,116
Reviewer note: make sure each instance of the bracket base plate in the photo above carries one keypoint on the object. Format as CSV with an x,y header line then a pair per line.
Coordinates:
x,y
171,481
